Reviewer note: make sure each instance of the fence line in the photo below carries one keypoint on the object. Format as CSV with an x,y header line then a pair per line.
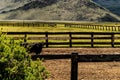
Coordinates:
x,y
28,24
90,58
94,27
71,39
75,58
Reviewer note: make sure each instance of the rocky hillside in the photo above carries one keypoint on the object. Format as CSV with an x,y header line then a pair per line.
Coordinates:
x,y
65,10
7,5
112,5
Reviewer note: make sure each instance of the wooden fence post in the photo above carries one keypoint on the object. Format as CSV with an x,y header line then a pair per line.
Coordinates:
x,y
74,66
25,38
112,40
46,37
70,40
92,40
112,28
118,28
115,28
108,28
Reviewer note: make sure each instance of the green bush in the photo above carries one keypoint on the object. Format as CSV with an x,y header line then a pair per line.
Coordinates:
x,y
16,63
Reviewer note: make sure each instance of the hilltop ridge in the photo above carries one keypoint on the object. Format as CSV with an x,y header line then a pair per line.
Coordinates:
x,y
63,10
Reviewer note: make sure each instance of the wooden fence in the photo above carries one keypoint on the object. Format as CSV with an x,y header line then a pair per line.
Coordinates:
x,y
90,58
94,27
27,24
75,58
80,25
70,39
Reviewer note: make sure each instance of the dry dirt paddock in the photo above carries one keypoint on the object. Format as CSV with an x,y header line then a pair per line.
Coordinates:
x,y
60,69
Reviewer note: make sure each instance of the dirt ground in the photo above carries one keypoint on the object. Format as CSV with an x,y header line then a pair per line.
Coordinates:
x,y
61,69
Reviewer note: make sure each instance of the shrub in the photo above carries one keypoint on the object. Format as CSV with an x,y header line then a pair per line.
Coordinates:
x,y
16,63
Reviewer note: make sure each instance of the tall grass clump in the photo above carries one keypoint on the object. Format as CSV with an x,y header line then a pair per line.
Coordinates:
x,y
16,63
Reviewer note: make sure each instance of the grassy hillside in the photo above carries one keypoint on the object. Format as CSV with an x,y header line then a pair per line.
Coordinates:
x,y
65,10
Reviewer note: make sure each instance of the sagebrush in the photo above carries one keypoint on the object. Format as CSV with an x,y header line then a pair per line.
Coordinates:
x,y
16,63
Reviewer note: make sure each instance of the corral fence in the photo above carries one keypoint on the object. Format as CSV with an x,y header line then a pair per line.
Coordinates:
x,y
94,27
27,24
80,25
75,58
70,39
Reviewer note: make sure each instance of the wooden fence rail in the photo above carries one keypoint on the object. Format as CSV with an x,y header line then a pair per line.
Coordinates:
x,y
75,58
71,39
90,58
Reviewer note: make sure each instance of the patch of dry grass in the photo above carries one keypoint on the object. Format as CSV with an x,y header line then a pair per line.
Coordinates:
x,y
61,69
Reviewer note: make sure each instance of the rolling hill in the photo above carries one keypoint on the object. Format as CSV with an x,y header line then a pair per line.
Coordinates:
x,y
7,5
63,10
112,5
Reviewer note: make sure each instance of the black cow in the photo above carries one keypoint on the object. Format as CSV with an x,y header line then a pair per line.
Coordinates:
x,y
34,47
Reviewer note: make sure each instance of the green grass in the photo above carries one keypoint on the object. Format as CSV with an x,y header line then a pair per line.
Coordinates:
x,y
60,28
43,29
